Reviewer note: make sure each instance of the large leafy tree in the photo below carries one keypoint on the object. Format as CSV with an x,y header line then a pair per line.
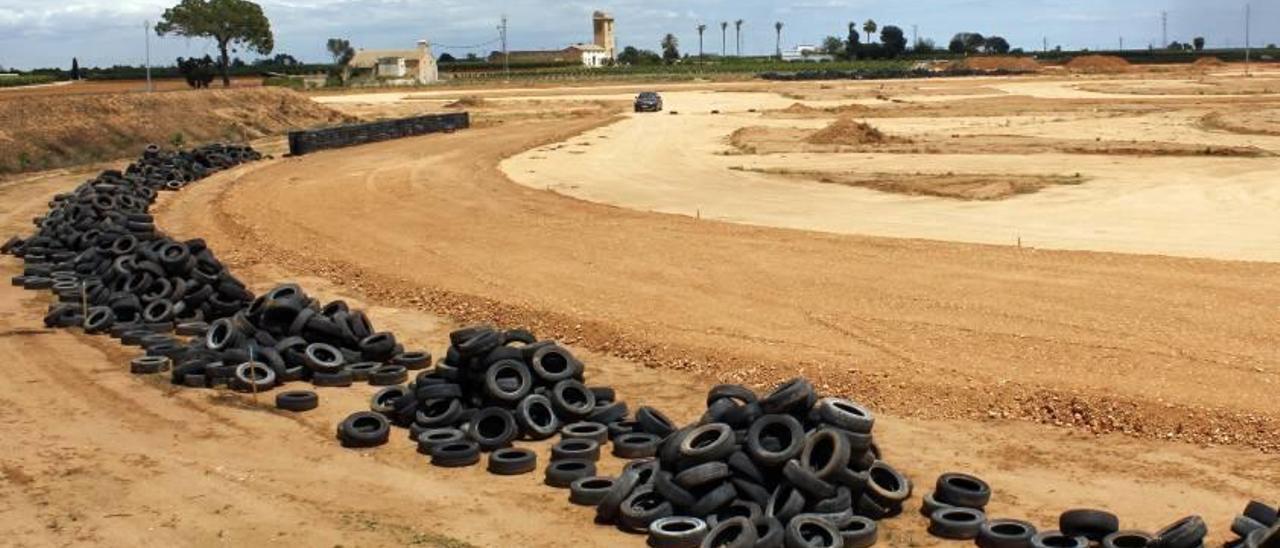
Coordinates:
x,y
852,47
894,40
230,23
870,28
996,44
341,51
670,48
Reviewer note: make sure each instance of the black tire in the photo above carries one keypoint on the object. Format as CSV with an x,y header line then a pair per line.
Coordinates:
x,y
608,413
435,391
607,510
1083,522
968,491
504,370
563,473
785,502
886,485
323,358
846,415
1055,539
770,533
639,445
339,379
795,396
360,371
731,533
538,420
861,532
431,438
253,377
738,508
709,442
594,431
808,531
775,439
479,343
642,508
842,501
413,361
149,365
573,400
576,449
813,487
1188,532
493,428
378,347
1127,539
553,363
364,429
715,499
745,468
749,490
456,454
591,490
1006,533
736,392
1265,538
388,375
826,453
665,484
956,523
512,461
389,399
1261,513
523,336
654,422
297,400
700,475
677,532
1243,526
604,394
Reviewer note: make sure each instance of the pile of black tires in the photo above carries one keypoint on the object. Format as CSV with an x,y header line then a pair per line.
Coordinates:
x,y
98,251
783,469
1257,527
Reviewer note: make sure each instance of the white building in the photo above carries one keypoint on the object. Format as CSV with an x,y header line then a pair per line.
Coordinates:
x,y
806,54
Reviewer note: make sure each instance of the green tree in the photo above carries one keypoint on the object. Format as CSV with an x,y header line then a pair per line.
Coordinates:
x,y
1198,42
924,45
870,28
894,40
833,46
341,51
851,47
701,29
446,58
737,37
777,29
996,44
75,68
967,42
724,38
670,48
227,22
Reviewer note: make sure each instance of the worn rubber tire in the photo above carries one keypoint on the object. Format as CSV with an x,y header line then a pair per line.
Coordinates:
x,y
1006,533
1092,524
791,397
709,442
732,533
572,400
538,420
589,491
607,510
665,484
493,428
364,429
775,439
324,358
433,437
826,453
785,502
1188,532
297,400
886,485
809,531
594,431
677,532
813,487
576,449
697,476
455,455
562,473
512,461
638,445
965,490
642,508
956,523
1127,539
388,375
654,422
861,532
339,379
1261,513
1055,539
508,369
715,499
846,415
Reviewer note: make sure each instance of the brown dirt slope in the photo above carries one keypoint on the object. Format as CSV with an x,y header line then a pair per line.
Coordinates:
x,y
54,131
847,131
1098,64
968,186
1001,62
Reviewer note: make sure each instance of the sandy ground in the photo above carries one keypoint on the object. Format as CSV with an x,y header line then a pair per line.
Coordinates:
x,y
1065,378
1197,206
95,87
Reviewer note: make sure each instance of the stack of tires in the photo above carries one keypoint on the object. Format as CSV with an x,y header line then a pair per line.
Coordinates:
x,y
98,251
786,469
492,388
1257,527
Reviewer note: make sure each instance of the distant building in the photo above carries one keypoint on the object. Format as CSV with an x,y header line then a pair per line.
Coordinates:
x,y
806,54
395,67
603,51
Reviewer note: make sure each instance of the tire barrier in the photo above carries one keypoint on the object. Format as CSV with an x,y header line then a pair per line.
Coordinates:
x,y
304,142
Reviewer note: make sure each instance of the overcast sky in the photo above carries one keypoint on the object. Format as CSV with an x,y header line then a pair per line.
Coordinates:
x,y
39,33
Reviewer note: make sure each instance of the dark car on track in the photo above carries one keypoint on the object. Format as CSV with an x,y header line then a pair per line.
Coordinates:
x,y
648,101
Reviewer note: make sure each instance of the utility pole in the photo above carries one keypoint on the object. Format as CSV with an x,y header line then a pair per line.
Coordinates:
x,y
1164,28
1046,44
146,38
915,35
1121,43
506,55
1247,14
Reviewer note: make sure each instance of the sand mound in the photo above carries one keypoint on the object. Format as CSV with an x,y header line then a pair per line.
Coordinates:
x,y
1098,64
847,131
45,132
799,108
470,101
1209,62
1001,62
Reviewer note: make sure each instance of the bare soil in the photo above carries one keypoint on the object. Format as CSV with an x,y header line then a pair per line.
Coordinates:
x,y
103,87
43,132
995,186
1098,64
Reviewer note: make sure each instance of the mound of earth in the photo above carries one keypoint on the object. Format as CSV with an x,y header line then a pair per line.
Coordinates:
x,y
847,131
969,187
1098,64
1001,62
470,101
1209,62
45,132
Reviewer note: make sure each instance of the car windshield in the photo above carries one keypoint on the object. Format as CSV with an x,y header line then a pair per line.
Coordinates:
x,y
648,95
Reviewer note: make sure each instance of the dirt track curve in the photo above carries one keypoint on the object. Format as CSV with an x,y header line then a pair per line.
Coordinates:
x,y
948,340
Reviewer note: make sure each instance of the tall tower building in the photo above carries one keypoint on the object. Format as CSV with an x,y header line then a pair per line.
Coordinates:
x,y
603,23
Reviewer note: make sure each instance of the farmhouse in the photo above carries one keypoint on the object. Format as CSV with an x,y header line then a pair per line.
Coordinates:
x,y
602,51
395,67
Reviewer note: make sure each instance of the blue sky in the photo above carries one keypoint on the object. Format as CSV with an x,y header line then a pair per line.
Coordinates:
x,y
37,33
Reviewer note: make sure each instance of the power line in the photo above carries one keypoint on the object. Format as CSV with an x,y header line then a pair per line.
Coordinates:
x,y
475,46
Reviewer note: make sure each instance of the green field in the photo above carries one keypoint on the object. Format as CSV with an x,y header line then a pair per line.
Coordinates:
x,y
15,81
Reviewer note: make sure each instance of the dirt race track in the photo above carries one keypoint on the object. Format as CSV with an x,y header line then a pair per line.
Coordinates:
x,y
1140,383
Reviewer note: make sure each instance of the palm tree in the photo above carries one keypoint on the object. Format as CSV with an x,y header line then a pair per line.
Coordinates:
x,y
701,29
777,28
724,35
869,27
737,38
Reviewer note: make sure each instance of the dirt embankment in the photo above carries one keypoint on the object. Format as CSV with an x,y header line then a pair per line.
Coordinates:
x,y
55,131
1001,62
1098,64
960,186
